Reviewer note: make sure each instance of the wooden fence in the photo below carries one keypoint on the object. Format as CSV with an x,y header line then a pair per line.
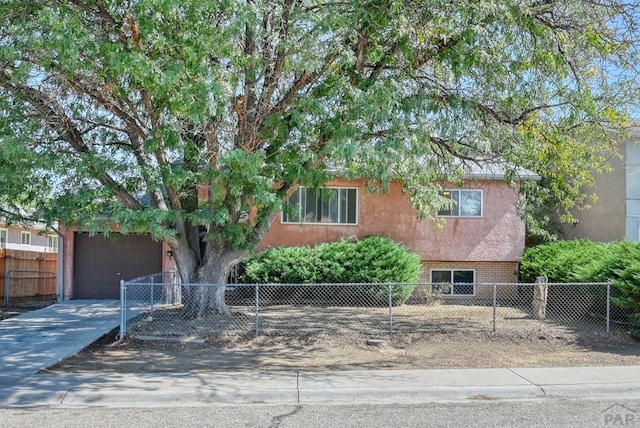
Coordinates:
x,y
32,276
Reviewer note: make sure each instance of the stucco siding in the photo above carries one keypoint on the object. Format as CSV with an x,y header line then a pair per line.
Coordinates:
x,y
496,236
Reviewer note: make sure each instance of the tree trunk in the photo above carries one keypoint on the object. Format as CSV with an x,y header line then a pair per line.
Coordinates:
x,y
213,272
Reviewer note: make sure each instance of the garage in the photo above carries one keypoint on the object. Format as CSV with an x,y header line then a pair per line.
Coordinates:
x,y
101,262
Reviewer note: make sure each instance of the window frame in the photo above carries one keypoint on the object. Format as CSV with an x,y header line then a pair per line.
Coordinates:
x,y
452,282
52,239
24,234
301,210
6,238
458,190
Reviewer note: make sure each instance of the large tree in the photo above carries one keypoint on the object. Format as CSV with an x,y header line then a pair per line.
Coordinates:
x,y
179,117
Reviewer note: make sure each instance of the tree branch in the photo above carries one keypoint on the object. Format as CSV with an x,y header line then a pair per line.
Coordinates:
x,y
58,120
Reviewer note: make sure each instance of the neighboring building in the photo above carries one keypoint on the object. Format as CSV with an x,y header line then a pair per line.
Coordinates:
x,y
615,215
32,237
482,240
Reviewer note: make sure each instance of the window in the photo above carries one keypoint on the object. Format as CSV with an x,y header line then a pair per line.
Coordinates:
x,y
3,238
458,282
25,238
466,203
52,244
325,205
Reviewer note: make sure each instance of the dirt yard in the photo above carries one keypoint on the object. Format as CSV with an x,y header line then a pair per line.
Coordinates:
x,y
14,311
321,351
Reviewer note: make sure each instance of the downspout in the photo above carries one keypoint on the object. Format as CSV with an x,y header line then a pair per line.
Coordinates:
x,y
60,264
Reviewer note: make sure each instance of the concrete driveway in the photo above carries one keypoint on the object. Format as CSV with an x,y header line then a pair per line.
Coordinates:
x,y
41,338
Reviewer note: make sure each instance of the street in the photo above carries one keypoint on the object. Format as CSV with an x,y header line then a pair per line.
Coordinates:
x,y
545,412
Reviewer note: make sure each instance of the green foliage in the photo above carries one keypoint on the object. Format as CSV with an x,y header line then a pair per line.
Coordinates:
x,y
587,261
104,104
628,282
375,260
561,261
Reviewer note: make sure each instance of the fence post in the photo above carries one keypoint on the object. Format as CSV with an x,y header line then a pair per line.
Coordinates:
x,y
257,321
608,307
495,301
152,290
6,288
390,310
123,308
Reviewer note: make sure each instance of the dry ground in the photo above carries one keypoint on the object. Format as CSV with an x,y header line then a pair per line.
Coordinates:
x,y
337,339
14,311
320,351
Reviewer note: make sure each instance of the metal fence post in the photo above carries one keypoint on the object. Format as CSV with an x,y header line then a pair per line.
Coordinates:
x,y
495,301
390,310
257,320
123,308
608,307
152,290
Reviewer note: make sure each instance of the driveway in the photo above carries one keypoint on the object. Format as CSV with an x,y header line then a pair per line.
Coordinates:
x,y
39,339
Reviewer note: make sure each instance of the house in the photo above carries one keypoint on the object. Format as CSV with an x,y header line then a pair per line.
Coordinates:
x,y
33,237
615,215
482,240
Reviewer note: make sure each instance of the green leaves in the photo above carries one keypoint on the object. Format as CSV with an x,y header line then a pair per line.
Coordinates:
x,y
172,114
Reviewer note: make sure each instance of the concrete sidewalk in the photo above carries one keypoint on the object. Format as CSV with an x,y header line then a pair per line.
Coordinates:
x,y
41,338
348,387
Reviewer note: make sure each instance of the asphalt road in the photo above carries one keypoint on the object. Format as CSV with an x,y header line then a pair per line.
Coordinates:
x,y
547,412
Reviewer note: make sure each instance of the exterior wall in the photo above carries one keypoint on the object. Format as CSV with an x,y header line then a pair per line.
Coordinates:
x,y
485,272
39,241
632,190
605,220
498,236
616,213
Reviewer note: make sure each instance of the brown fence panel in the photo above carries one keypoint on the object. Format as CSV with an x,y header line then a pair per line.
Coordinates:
x,y
32,275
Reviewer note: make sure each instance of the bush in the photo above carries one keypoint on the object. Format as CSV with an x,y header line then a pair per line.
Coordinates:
x,y
628,282
561,261
374,259
587,261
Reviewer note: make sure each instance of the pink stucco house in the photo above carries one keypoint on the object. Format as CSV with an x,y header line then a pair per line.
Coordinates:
x,y
481,241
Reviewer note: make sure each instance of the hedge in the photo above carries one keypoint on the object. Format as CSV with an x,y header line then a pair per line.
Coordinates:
x,y
371,260
588,261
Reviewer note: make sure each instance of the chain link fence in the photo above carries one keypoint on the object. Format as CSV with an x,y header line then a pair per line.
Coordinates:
x,y
171,309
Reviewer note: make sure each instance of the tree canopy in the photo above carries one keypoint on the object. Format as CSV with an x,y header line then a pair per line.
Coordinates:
x,y
125,111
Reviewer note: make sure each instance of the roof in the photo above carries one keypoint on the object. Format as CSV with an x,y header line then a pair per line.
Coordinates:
x,y
497,171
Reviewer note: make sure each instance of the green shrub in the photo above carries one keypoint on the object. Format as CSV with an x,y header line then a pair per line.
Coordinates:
x,y
587,261
561,261
376,260
628,282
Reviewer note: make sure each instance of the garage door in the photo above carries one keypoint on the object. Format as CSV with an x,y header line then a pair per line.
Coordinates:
x,y
100,263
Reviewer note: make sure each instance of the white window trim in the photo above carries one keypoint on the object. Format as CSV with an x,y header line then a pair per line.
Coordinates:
x,y
452,283
6,238
54,248
315,223
466,216
22,235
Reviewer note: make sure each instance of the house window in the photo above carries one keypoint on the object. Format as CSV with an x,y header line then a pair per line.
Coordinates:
x,y
3,238
328,205
52,244
458,282
25,238
466,203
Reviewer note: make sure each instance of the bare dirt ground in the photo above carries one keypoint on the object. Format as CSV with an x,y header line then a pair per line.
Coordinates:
x,y
321,351
14,311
